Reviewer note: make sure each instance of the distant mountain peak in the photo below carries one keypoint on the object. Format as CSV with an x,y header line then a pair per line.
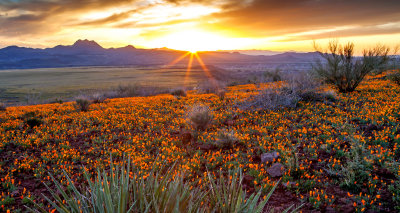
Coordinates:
x,y
129,47
86,44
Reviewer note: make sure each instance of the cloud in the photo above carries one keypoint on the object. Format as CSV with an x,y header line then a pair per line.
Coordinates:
x,y
241,18
264,18
348,32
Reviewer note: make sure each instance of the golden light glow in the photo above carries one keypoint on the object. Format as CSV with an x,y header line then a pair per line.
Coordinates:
x,y
198,40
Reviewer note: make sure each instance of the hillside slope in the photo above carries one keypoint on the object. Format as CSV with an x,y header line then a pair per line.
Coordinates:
x,y
318,144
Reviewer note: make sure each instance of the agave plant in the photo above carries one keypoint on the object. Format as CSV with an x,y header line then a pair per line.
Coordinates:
x,y
155,192
109,192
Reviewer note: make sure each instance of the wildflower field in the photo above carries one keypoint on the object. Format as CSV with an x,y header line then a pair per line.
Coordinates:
x,y
340,155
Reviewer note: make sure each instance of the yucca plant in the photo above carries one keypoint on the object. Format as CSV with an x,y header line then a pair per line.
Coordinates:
x,y
154,192
109,192
228,196
167,194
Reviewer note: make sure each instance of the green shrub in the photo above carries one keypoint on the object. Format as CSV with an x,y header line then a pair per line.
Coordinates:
x,y
394,189
32,122
200,117
32,119
345,71
82,105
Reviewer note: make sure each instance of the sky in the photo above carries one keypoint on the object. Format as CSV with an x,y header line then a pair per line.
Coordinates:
x,y
200,24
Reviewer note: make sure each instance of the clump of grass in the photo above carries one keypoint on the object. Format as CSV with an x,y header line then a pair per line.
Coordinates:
x,y
3,107
227,139
200,117
82,104
343,70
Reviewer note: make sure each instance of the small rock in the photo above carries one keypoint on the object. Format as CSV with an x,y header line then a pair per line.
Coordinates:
x,y
269,157
324,146
276,170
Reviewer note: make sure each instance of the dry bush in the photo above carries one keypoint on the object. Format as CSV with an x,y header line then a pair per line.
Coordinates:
x,y
3,107
300,86
98,98
33,98
272,99
200,117
266,76
395,77
130,90
179,93
211,86
82,104
343,70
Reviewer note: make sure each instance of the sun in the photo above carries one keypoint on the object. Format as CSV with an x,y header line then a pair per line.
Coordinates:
x,y
195,41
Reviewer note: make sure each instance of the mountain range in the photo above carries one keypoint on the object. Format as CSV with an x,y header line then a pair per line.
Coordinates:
x,y
90,53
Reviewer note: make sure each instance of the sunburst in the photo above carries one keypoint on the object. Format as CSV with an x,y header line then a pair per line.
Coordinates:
x,y
193,55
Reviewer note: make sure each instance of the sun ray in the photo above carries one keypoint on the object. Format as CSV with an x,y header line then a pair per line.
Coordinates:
x,y
189,67
178,59
205,69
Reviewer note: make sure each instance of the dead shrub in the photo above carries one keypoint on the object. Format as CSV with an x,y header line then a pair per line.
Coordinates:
x,y
82,104
98,98
3,107
179,93
211,86
343,70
